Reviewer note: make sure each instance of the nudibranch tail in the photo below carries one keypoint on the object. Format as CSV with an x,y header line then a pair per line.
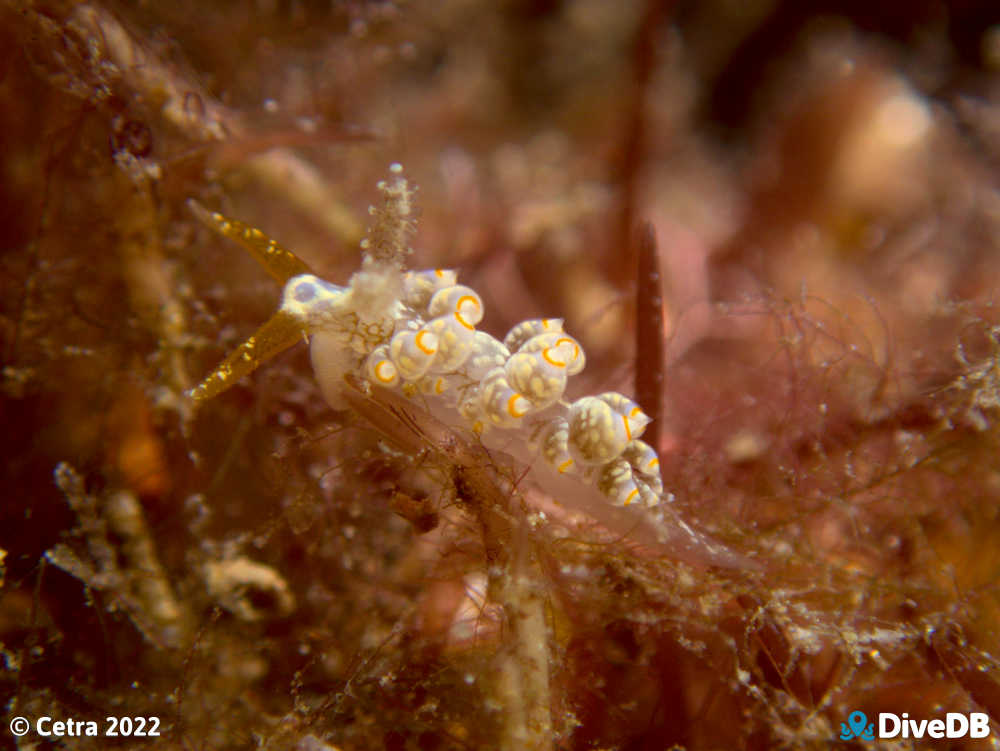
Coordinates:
x,y
279,262
280,332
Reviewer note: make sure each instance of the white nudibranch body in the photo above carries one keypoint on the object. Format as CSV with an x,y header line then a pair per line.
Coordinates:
x,y
415,332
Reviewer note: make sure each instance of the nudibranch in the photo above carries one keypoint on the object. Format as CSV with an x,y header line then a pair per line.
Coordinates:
x,y
414,332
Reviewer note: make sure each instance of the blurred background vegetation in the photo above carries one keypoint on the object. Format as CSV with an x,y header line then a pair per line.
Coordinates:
x,y
822,181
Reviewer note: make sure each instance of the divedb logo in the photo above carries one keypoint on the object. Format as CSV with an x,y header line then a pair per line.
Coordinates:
x,y
954,725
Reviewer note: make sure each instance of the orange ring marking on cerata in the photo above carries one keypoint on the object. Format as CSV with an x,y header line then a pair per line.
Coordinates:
x,y
549,360
458,317
378,372
458,310
425,350
511,406
565,339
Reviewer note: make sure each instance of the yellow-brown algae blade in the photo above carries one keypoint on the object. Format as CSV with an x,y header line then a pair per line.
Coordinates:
x,y
279,262
279,333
